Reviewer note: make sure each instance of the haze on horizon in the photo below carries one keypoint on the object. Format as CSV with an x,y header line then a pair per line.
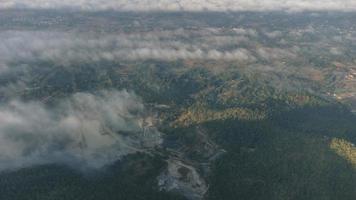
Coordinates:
x,y
183,5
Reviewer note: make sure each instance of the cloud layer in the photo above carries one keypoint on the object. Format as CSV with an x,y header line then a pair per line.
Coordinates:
x,y
83,130
65,48
187,5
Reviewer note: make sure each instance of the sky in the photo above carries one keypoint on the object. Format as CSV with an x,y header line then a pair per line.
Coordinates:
x,y
187,5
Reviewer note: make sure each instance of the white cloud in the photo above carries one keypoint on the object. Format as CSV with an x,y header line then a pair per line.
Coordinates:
x,y
66,48
275,54
84,130
189,5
